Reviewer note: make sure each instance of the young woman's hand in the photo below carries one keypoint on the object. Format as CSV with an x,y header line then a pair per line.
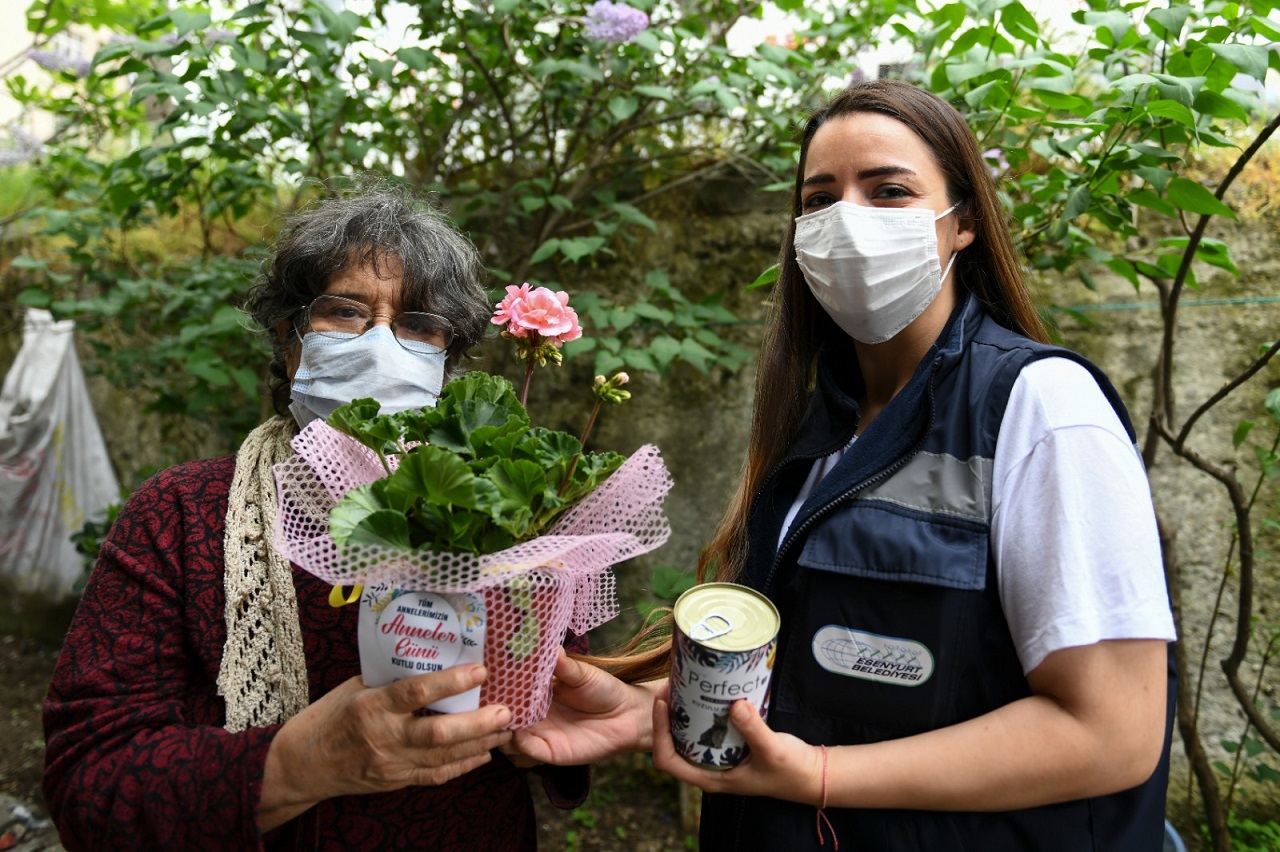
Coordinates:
x,y
358,739
780,766
593,715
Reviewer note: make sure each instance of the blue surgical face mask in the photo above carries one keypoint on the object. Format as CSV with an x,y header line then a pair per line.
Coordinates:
x,y
332,371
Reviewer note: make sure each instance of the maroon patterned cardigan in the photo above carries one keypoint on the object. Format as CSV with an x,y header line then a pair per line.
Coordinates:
x,y
137,756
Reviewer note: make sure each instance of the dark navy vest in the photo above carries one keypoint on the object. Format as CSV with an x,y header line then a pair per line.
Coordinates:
x,y
891,617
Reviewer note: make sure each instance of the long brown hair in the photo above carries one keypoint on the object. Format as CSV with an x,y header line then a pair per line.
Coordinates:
x,y
798,327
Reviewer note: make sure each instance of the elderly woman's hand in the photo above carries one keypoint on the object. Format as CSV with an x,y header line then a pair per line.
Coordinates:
x,y
367,740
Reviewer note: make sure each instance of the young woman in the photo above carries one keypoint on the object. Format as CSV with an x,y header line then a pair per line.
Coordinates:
x,y
925,471
208,696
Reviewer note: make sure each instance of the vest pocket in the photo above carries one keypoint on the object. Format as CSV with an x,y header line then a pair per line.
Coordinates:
x,y
903,545
881,630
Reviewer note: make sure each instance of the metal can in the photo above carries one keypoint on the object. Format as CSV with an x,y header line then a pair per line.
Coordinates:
x,y
723,648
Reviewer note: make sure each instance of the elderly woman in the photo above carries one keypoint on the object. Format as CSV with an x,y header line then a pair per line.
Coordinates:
x,y
208,695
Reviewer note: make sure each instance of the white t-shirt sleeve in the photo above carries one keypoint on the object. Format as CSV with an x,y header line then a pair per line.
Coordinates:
x,y
1073,530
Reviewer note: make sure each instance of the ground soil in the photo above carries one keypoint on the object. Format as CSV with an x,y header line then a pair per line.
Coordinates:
x,y
631,806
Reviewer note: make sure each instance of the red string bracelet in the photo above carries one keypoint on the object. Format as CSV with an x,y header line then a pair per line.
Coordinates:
x,y
822,817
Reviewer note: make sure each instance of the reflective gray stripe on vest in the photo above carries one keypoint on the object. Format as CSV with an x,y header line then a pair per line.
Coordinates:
x,y
939,484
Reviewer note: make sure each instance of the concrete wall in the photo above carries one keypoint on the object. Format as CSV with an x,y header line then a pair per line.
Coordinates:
x,y
1220,331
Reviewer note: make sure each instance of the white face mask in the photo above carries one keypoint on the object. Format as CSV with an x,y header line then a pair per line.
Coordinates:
x,y
874,269
333,371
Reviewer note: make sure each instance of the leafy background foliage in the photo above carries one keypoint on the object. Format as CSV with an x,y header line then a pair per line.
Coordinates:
x,y
1115,145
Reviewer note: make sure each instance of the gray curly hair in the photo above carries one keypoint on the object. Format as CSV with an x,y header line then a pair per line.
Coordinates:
x,y
370,224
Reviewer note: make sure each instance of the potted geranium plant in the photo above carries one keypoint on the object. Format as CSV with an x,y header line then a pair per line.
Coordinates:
x,y
470,533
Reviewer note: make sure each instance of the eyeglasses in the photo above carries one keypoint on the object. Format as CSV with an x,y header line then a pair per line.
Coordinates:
x,y
342,318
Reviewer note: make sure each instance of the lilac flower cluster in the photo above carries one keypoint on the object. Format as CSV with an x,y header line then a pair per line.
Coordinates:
x,y
57,61
615,22
25,147
996,162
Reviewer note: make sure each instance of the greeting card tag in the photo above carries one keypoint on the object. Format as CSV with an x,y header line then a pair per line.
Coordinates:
x,y
403,633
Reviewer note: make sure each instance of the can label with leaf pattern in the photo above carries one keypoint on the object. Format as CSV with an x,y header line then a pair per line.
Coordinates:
x,y
723,649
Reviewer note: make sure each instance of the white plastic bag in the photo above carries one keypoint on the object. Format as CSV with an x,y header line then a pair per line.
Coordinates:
x,y
54,469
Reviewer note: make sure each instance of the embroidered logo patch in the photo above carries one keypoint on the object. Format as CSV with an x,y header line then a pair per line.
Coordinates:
x,y
900,662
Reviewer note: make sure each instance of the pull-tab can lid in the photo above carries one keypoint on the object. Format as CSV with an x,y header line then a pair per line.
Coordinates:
x,y
726,617
712,626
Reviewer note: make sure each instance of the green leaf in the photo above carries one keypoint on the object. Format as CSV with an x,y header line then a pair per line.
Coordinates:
x,y
108,52
360,420
417,58
1070,103
1250,59
632,214
1020,23
1152,201
577,248
1124,269
995,90
670,582
661,93
436,475
361,518
1180,89
339,25
664,349
727,99
1268,462
1218,106
623,107
583,70
1133,82
205,364
1210,251
1158,178
1190,196
1115,23
545,251
764,279
1265,27
521,488
639,359
648,39
1077,202
1272,404
1241,433
622,318
696,354
653,312
1165,108
251,10
187,20
1168,22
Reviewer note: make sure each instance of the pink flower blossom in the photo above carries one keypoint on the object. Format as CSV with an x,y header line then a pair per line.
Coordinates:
x,y
502,316
539,312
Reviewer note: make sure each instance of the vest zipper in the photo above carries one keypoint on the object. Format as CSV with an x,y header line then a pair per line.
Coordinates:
x,y
796,532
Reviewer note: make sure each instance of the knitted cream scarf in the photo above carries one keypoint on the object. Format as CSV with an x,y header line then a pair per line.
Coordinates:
x,y
263,676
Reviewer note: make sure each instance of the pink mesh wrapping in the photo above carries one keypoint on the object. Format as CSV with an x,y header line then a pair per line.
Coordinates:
x,y
562,577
